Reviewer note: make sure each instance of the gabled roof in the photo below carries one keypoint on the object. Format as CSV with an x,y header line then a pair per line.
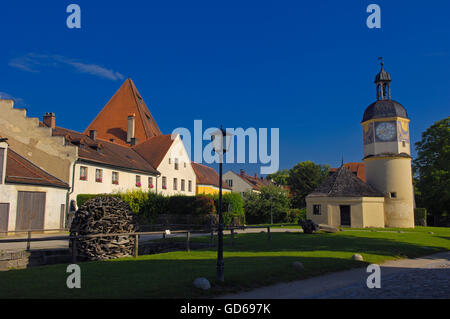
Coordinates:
x,y
344,183
207,175
358,169
254,181
154,149
106,153
112,121
21,171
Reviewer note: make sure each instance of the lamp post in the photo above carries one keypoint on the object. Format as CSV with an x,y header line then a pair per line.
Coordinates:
x,y
221,142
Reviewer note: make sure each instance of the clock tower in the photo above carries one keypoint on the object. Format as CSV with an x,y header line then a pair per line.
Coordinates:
x,y
387,155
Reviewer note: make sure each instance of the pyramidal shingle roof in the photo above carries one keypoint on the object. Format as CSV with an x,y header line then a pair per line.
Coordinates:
x,y
111,123
343,183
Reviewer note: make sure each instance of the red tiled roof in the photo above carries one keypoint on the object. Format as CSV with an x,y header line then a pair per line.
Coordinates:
x,y
207,175
21,171
154,149
254,181
104,152
112,121
356,168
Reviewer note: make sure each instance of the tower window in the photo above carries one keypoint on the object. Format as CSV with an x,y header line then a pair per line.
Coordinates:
x,y
393,195
404,143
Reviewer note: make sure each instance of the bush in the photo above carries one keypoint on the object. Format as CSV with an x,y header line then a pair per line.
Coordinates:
x,y
231,202
180,204
295,214
233,219
420,216
149,205
203,205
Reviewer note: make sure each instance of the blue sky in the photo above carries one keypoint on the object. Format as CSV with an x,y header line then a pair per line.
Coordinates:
x,y
306,67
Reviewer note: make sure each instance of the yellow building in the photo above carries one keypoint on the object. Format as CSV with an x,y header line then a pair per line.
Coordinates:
x,y
342,201
208,180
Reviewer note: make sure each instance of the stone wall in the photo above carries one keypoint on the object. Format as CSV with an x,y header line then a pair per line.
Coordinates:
x,y
13,260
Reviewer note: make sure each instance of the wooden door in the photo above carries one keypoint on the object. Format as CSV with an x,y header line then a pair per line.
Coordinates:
x,y
30,210
345,215
4,217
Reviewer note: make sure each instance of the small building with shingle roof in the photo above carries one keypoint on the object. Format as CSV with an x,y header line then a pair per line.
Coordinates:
x,y
345,200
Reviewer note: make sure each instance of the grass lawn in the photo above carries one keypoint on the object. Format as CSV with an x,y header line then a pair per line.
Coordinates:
x,y
251,262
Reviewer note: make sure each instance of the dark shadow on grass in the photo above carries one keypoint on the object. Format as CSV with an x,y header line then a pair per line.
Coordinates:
x,y
172,278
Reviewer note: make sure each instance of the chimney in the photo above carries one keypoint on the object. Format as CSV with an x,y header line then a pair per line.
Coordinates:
x,y
50,119
133,141
242,173
130,130
93,134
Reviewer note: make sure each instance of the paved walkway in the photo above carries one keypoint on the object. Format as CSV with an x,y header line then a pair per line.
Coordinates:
x,y
65,243
425,277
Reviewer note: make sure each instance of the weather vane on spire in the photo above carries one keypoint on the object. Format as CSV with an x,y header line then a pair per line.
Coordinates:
x,y
381,60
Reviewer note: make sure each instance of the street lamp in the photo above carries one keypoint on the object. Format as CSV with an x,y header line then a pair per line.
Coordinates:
x,y
221,142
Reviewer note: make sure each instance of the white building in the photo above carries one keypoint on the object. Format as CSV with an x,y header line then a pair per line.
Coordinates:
x,y
242,182
30,198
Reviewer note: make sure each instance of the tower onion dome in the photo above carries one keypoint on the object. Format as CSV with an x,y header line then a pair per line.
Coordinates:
x,y
384,107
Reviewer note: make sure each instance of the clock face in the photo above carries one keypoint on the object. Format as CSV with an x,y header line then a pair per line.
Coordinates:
x,y
385,131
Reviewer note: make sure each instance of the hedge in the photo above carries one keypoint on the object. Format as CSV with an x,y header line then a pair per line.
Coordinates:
x,y
149,205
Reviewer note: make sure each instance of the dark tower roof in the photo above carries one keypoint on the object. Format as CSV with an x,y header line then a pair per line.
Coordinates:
x,y
384,108
383,75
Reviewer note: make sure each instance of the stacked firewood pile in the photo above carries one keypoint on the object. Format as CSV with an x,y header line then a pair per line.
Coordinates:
x,y
104,215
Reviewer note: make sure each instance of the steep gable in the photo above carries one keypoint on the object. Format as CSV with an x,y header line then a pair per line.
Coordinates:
x,y
112,121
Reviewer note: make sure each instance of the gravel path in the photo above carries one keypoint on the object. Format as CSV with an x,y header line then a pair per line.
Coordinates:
x,y
424,283
426,277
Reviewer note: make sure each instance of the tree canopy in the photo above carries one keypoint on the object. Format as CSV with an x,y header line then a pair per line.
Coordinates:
x,y
303,179
432,169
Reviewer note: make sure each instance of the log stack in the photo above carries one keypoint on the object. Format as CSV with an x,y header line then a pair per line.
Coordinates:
x,y
104,215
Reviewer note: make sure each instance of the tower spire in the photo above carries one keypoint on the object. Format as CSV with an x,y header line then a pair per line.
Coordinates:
x,y
383,83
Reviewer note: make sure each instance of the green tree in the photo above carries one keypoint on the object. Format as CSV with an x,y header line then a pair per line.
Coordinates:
x,y
303,179
270,201
280,177
432,169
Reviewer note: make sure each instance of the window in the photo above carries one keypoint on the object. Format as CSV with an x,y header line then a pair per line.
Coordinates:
x,y
99,175
83,173
164,182
174,184
393,195
404,143
169,160
138,181
182,185
176,164
229,182
115,178
184,164
317,210
190,186
150,182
